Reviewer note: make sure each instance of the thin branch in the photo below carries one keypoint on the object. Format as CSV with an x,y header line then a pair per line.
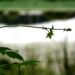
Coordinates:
x,y
65,29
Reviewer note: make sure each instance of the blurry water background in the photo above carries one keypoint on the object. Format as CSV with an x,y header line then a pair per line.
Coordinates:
x,y
33,44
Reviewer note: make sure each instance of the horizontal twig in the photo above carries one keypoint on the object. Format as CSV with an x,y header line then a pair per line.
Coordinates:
x,y
65,29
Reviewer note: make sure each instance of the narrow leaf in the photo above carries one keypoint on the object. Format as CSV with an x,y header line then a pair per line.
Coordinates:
x,y
30,62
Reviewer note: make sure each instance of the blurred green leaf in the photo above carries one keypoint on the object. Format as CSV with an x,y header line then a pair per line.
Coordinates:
x,y
14,55
30,62
50,34
3,49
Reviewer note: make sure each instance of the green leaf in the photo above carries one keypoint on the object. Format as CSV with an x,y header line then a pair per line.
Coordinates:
x,y
50,34
3,49
14,55
30,62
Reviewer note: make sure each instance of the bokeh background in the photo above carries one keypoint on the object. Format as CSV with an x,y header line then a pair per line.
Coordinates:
x,y
56,55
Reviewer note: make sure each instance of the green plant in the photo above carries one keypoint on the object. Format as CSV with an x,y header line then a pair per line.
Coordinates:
x,y
4,64
10,52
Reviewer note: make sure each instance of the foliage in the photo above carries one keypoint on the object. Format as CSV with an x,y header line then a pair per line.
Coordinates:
x,y
3,49
12,17
5,64
41,0
14,55
9,52
50,33
30,62
59,0
30,66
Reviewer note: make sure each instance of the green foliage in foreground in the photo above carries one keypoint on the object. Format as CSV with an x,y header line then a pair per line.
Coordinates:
x,y
32,66
9,52
6,65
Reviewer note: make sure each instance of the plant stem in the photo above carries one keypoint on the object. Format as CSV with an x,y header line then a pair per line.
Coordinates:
x,y
18,69
35,27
